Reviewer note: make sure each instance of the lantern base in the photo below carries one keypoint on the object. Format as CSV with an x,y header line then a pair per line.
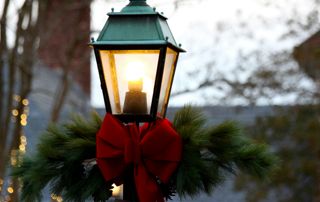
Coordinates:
x,y
135,102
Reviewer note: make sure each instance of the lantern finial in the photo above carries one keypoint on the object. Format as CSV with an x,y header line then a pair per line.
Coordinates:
x,y
137,2
137,6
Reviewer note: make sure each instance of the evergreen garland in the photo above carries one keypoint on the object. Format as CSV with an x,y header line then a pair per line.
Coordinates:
x,y
59,160
209,152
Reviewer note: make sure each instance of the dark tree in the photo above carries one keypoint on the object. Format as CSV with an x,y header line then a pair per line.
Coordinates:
x,y
294,135
41,33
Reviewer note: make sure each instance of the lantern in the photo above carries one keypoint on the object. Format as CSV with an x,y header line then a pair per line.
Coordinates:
x,y
136,56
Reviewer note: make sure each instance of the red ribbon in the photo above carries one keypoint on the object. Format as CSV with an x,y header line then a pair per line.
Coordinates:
x,y
154,149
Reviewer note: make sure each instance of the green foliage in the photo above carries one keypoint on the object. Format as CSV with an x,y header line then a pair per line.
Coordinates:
x,y
59,163
294,133
209,153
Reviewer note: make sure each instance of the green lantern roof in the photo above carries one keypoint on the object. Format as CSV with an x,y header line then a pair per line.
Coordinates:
x,y
136,24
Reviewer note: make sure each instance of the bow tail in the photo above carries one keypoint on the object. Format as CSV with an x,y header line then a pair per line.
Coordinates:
x,y
146,186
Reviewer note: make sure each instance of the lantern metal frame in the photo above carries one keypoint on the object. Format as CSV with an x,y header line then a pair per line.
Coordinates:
x,y
119,34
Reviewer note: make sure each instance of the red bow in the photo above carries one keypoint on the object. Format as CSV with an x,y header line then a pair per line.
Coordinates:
x,y
155,151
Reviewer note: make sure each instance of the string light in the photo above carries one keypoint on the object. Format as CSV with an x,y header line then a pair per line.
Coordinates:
x,y
56,198
25,113
23,116
25,102
59,199
13,157
10,190
23,122
16,155
23,139
22,148
17,98
15,112
23,144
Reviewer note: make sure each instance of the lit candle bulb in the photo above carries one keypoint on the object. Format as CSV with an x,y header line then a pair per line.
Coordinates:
x,y
135,85
117,191
135,75
135,101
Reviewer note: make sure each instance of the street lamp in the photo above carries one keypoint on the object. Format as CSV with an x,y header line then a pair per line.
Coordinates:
x,y
136,56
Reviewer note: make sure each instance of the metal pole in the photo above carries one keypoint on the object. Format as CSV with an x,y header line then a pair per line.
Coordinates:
x,y
129,187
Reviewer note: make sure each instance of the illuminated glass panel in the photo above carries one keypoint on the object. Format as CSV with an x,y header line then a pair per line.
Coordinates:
x,y
167,80
129,77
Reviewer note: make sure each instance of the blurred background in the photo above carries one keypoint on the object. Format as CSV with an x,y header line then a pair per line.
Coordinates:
x,y
253,61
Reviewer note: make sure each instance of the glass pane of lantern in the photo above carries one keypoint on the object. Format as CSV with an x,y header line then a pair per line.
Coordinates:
x,y
167,78
130,77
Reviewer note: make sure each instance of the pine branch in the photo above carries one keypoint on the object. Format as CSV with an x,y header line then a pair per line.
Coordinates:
x,y
211,151
59,163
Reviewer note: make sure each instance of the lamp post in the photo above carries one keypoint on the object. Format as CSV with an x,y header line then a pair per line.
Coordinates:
x,y
136,56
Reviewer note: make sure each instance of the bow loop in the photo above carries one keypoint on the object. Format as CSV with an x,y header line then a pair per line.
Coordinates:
x,y
155,152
